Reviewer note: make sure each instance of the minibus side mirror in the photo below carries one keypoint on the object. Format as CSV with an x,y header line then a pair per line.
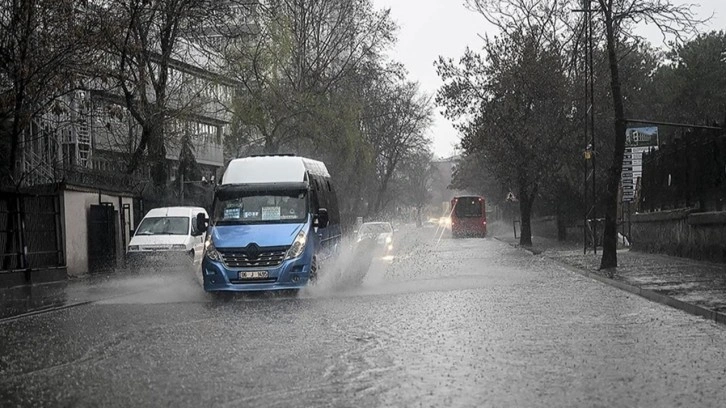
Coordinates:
x,y
322,218
202,222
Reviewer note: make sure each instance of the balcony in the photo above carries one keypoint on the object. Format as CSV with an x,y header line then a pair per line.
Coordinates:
x,y
209,153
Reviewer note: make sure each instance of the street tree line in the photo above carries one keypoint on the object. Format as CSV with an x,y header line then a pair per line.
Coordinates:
x,y
307,77
522,110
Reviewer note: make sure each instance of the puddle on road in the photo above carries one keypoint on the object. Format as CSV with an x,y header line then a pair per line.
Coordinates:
x,y
167,285
421,263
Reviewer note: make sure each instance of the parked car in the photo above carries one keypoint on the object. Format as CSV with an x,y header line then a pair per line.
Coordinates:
x,y
167,235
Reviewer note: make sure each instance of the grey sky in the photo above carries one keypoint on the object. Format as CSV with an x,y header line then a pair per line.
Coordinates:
x,y
429,28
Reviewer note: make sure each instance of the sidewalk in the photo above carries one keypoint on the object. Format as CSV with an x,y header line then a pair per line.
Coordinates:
x,y
693,286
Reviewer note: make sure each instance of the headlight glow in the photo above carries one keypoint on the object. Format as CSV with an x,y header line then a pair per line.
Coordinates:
x,y
298,246
389,239
210,251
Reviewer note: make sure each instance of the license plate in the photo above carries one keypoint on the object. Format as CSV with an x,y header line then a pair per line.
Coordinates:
x,y
253,275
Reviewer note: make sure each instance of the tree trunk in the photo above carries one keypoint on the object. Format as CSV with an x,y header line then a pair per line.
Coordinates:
x,y
270,146
138,153
15,134
610,238
561,228
525,216
14,148
157,157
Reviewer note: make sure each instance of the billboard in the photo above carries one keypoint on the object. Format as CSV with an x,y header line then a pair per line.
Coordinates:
x,y
637,141
641,136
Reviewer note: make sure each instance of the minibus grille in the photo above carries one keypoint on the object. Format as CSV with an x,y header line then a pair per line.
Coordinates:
x,y
261,257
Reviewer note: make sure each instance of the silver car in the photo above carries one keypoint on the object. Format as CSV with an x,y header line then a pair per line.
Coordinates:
x,y
378,233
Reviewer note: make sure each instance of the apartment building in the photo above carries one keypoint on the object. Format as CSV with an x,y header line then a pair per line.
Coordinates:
x,y
77,151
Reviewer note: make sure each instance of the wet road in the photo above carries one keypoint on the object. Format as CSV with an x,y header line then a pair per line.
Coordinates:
x,y
468,322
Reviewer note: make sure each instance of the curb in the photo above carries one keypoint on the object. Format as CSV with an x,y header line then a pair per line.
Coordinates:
x,y
636,290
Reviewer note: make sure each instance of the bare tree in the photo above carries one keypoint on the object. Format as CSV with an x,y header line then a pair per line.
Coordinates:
x,y
618,17
151,43
417,174
45,53
395,122
303,51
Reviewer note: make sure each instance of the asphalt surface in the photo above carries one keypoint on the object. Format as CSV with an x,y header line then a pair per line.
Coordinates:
x,y
444,322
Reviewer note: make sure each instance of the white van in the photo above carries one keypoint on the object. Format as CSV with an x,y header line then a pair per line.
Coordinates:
x,y
165,233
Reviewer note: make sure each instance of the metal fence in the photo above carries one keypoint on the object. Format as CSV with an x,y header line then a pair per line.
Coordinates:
x,y
30,231
689,173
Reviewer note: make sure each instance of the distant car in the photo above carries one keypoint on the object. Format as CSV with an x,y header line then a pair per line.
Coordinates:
x,y
445,222
432,222
167,235
380,234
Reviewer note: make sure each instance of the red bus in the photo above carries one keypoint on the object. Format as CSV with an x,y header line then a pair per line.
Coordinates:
x,y
468,216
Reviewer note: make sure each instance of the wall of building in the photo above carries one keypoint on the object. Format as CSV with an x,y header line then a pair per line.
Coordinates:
x,y
76,207
697,235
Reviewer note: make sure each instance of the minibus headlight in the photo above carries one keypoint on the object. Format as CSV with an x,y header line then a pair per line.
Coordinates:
x,y
210,251
133,248
298,246
178,247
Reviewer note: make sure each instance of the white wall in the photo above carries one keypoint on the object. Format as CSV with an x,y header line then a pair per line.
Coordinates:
x,y
76,206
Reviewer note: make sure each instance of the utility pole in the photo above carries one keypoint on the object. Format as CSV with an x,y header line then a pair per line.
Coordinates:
x,y
592,124
589,125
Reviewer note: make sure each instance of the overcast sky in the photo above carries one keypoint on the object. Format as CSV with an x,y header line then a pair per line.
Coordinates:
x,y
429,28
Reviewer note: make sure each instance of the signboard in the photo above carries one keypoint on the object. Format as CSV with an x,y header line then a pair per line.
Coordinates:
x,y
637,141
270,213
641,137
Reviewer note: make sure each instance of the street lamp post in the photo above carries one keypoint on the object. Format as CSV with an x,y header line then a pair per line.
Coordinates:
x,y
589,123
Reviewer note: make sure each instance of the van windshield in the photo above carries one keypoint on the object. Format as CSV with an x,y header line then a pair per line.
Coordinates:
x,y
164,226
269,207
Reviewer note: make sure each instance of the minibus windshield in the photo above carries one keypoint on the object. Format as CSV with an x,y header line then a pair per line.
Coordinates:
x,y
261,207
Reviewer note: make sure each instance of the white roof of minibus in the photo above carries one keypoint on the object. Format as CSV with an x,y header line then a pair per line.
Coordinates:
x,y
173,211
271,169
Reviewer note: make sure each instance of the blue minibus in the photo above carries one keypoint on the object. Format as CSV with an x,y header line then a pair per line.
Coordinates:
x,y
274,221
